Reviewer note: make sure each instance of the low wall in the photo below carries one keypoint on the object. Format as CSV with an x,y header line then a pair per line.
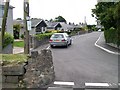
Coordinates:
x,y
8,49
36,43
36,73
11,75
40,70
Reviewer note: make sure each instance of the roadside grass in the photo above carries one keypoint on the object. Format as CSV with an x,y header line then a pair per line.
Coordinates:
x,y
13,59
18,44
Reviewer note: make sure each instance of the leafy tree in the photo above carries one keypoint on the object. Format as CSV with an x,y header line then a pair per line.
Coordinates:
x,y
60,19
109,15
19,19
16,29
104,12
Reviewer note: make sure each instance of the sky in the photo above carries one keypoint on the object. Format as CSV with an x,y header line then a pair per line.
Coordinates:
x,y
72,10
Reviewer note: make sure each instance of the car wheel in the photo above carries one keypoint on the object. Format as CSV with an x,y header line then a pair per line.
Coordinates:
x,y
66,45
70,42
51,46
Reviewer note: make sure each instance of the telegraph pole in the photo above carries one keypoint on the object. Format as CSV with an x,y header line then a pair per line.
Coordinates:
x,y
26,33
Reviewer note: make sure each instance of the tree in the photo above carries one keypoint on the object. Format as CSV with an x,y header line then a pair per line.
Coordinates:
x,y
109,15
19,19
4,20
16,29
60,19
104,12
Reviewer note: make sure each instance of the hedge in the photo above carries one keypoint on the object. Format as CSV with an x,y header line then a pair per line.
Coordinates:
x,y
8,39
43,36
111,36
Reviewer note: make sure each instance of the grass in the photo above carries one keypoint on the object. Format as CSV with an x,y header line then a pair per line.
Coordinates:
x,y
18,44
13,59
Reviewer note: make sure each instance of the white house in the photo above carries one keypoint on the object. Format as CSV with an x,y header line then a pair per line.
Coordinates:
x,y
9,25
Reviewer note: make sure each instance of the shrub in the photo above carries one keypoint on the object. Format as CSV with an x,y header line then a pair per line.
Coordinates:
x,y
111,36
43,36
22,36
8,39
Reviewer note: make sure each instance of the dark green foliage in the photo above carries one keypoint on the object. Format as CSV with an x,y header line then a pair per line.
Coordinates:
x,y
43,36
8,39
109,15
60,19
22,36
16,29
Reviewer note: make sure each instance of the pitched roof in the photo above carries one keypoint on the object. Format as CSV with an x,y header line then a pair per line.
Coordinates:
x,y
52,24
67,26
34,22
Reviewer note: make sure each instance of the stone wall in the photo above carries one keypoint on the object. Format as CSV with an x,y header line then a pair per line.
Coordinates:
x,y
8,49
40,70
11,75
36,73
34,42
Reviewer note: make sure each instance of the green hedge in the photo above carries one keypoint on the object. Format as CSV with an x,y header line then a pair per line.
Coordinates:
x,y
43,36
111,36
8,39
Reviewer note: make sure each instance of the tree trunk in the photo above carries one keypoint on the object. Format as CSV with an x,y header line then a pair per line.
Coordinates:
x,y
4,21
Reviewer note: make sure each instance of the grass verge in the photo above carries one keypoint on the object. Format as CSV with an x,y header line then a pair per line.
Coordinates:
x,y
18,44
13,59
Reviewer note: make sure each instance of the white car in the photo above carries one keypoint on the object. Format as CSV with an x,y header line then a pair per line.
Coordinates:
x,y
99,30
60,39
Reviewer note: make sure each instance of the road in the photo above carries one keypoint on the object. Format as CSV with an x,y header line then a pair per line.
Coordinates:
x,y
84,62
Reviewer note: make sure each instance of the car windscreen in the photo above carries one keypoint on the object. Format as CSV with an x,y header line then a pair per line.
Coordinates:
x,y
57,36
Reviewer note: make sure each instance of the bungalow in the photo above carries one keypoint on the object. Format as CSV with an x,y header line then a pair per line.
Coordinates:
x,y
67,27
9,25
37,25
53,26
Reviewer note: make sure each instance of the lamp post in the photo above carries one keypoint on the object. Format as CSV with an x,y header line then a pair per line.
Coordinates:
x,y
26,33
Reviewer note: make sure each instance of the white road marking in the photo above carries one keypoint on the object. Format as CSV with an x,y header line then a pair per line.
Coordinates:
x,y
48,47
97,84
109,51
64,83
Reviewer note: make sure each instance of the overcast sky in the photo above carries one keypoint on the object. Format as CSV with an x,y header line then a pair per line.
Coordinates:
x,y
72,10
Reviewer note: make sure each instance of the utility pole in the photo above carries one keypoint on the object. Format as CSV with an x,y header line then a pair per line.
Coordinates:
x,y
26,33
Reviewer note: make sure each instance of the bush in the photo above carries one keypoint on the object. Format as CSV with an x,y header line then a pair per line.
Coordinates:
x,y
22,36
43,36
111,36
8,39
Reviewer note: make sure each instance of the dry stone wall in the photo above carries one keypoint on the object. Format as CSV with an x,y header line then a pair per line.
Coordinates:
x,y
38,72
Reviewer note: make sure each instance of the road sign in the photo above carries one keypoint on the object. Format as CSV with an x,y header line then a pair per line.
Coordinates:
x,y
29,25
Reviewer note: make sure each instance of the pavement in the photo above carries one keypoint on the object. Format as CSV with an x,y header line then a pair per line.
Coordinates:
x,y
100,43
19,50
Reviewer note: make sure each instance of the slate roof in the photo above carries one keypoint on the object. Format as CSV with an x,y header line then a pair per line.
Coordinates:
x,y
52,24
67,26
34,22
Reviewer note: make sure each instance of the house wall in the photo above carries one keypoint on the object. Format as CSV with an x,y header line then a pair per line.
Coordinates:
x,y
32,32
9,25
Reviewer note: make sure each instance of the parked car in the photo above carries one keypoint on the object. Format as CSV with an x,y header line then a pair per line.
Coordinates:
x,y
99,30
60,39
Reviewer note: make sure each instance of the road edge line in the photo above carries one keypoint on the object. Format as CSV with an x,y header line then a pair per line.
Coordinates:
x,y
109,51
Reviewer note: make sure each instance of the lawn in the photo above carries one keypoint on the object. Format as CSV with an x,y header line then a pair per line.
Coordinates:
x,y
18,44
13,59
